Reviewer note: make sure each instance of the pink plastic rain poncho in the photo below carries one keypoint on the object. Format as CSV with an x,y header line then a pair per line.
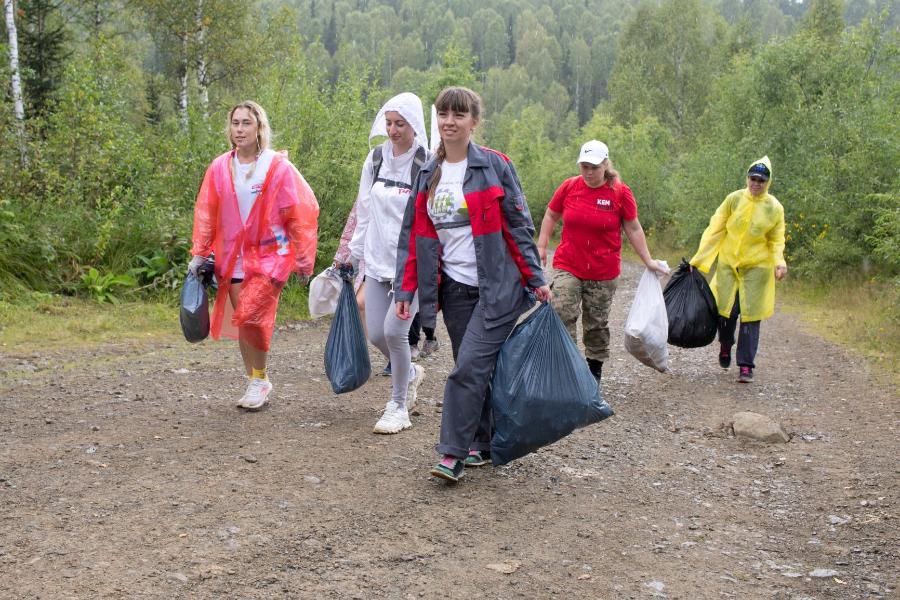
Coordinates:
x,y
747,235
285,208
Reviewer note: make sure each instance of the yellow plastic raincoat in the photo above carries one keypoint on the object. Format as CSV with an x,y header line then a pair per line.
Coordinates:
x,y
747,235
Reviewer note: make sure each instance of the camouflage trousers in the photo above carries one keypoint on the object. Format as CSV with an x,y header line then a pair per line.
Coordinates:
x,y
592,299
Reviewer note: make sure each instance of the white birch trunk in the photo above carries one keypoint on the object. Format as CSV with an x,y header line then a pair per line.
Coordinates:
x,y
18,104
19,107
202,80
183,81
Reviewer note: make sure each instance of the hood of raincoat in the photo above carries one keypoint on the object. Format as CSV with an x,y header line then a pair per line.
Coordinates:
x,y
410,108
768,164
435,133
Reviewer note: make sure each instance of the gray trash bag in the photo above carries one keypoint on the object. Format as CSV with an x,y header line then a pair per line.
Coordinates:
x,y
542,389
194,309
194,315
346,352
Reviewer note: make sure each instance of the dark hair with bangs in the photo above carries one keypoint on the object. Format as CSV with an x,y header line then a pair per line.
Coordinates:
x,y
457,99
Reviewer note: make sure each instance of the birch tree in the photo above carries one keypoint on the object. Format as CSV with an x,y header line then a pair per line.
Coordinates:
x,y
18,104
202,75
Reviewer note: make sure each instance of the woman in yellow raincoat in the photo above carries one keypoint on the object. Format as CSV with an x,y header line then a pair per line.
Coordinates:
x,y
747,235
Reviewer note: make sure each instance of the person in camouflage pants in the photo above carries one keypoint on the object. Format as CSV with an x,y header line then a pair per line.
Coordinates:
x,y
592,299
595,207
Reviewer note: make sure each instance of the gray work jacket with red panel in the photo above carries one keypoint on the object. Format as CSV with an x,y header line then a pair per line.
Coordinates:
x,y
505,253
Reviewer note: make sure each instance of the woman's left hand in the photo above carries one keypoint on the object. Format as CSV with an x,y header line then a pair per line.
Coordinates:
x,y
780,272
543,293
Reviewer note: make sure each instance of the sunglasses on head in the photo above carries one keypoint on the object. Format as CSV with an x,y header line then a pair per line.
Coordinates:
x,y
757,180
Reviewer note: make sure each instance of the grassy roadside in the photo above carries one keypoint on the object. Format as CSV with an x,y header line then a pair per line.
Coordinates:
x,y
49,322
56,322
861,316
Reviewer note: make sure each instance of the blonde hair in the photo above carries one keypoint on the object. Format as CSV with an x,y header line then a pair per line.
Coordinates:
x,y
611,175
457,99
263,131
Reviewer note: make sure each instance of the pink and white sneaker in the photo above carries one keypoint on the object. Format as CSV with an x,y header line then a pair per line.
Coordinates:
x,y
257,394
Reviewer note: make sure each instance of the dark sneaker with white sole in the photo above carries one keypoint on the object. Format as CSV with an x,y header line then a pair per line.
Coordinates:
x,y
477,458
450,468
746,375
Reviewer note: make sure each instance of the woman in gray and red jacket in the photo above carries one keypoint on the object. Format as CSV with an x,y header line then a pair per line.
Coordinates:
x,y
467,245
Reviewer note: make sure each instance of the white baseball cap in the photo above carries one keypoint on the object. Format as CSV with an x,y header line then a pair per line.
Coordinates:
x,y
593,152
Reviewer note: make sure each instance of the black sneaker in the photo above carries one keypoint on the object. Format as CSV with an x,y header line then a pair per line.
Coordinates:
x,y
453,473
725,357
596,367
387,370
746,375
477,458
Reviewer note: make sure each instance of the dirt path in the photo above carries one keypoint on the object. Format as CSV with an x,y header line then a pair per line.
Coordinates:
x,y
128,473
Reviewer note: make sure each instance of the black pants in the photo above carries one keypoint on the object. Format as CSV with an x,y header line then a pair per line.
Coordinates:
x,y
466,420
415,329
748,337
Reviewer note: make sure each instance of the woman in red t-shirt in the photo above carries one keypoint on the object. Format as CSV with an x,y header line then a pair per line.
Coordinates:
x,y
594,206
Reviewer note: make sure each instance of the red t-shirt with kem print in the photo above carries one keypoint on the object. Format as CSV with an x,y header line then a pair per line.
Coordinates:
x,y
591,243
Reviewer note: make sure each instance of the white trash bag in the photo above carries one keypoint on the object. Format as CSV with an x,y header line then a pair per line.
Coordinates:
x,y
324,291
647,326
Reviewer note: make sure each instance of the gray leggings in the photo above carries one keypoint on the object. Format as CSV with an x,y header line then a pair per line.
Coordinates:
x,y
389,333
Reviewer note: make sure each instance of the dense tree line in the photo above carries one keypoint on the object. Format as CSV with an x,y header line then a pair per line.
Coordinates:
x,y
124,103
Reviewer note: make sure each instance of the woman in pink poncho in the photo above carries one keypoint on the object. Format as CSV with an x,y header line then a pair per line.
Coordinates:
x,y
259,216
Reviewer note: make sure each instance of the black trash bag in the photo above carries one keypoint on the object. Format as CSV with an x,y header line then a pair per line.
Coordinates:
x,y
194,315
542,389
346,353
691,308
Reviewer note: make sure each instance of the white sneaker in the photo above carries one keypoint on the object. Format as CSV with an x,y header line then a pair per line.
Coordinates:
x,y
394,419
414,353
257,394
418,376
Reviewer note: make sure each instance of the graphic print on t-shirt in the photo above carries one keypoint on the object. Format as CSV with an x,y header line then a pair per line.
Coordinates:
x,y
444,206
448,207
450,214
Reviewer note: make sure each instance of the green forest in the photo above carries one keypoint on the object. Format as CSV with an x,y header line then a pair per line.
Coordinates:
x,y
121,105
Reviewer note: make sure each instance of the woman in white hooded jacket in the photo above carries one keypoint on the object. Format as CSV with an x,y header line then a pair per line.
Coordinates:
x,y
384,187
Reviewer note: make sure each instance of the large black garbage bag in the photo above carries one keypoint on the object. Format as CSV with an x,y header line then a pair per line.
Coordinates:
x,y
194,315
691,308
542,389
346,354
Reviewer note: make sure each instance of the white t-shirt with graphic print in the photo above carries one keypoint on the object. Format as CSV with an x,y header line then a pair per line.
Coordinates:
x,y
450,215
247,190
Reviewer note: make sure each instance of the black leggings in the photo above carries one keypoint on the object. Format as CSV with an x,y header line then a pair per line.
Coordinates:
x,y
414,331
